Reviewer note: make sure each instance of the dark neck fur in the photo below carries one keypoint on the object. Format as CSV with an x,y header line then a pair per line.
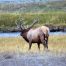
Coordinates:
x,y
24,35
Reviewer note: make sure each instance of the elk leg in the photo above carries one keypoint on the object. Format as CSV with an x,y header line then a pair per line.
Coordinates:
x,y
30,44
46,42
42,38
46,46
38,45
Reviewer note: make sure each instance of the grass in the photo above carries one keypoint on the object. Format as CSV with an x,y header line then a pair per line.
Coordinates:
x,y
57,44
54,18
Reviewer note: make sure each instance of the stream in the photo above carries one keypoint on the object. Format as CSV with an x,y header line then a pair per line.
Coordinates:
x,y
17,34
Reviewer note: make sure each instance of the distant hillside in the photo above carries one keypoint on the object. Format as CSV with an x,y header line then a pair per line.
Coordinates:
x,y
25,1
21,1
33,7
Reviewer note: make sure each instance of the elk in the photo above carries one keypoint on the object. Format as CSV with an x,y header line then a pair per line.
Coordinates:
x,y
38,35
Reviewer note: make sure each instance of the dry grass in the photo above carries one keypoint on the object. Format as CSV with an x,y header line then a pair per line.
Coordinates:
x,y
56,44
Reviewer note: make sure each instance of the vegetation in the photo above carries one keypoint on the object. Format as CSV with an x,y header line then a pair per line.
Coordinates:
x,y
51,13
33,7
57,44
53,18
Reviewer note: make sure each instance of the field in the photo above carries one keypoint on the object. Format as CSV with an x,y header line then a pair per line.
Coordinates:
x,y
18,44
16,50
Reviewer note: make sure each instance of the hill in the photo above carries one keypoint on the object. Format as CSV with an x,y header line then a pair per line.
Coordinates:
x,y
33,7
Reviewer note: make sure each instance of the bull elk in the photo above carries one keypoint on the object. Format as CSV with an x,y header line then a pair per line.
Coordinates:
x,y
38,35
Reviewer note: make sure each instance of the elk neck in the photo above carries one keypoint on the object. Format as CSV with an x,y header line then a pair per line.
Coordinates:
x,y
24,34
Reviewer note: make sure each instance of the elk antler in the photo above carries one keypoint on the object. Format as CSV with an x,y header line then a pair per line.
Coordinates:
x,y
19,23
34,22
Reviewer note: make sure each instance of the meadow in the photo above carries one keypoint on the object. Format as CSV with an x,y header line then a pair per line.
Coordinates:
x,y
14,50
57,45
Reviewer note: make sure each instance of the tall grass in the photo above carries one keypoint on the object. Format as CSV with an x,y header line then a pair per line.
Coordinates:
x,y
54,18
57,44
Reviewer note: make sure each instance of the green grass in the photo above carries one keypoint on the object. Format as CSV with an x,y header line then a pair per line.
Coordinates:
x,y
57,44
53,18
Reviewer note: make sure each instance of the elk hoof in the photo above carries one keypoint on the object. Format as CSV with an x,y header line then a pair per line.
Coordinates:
x,y
47,50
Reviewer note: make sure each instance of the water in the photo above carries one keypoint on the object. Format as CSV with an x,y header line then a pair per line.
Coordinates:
x,y
17,34
57,33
